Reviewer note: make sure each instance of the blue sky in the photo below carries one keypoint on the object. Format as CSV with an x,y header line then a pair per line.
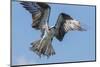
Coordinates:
x,y
76,46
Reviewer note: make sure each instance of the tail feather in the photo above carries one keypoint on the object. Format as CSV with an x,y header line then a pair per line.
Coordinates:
x,y
42,48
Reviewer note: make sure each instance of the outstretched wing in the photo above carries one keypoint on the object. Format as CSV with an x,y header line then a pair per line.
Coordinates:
x,y
64,24
40,13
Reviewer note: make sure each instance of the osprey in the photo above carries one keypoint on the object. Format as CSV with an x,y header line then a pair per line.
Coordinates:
x,y
40,15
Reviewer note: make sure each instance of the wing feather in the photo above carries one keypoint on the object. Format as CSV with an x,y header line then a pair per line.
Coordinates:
x,y
62,26
40,13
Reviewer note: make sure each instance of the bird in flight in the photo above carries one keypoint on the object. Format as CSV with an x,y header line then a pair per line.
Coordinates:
x,y
40,19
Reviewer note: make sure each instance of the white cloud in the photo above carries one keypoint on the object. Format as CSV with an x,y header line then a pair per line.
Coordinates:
x,y
22,60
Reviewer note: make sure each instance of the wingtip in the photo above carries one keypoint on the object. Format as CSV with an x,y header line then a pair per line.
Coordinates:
x,y
82,29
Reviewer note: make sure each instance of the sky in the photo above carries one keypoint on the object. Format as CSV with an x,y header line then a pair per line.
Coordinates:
x,y
76,46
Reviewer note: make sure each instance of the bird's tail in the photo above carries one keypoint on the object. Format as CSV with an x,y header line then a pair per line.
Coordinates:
x,y
42,47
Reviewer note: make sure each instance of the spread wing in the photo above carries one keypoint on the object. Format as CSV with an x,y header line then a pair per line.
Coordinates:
x,y
40,13
64,24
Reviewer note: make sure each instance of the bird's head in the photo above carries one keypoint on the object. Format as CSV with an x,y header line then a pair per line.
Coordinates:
x,y
75,25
